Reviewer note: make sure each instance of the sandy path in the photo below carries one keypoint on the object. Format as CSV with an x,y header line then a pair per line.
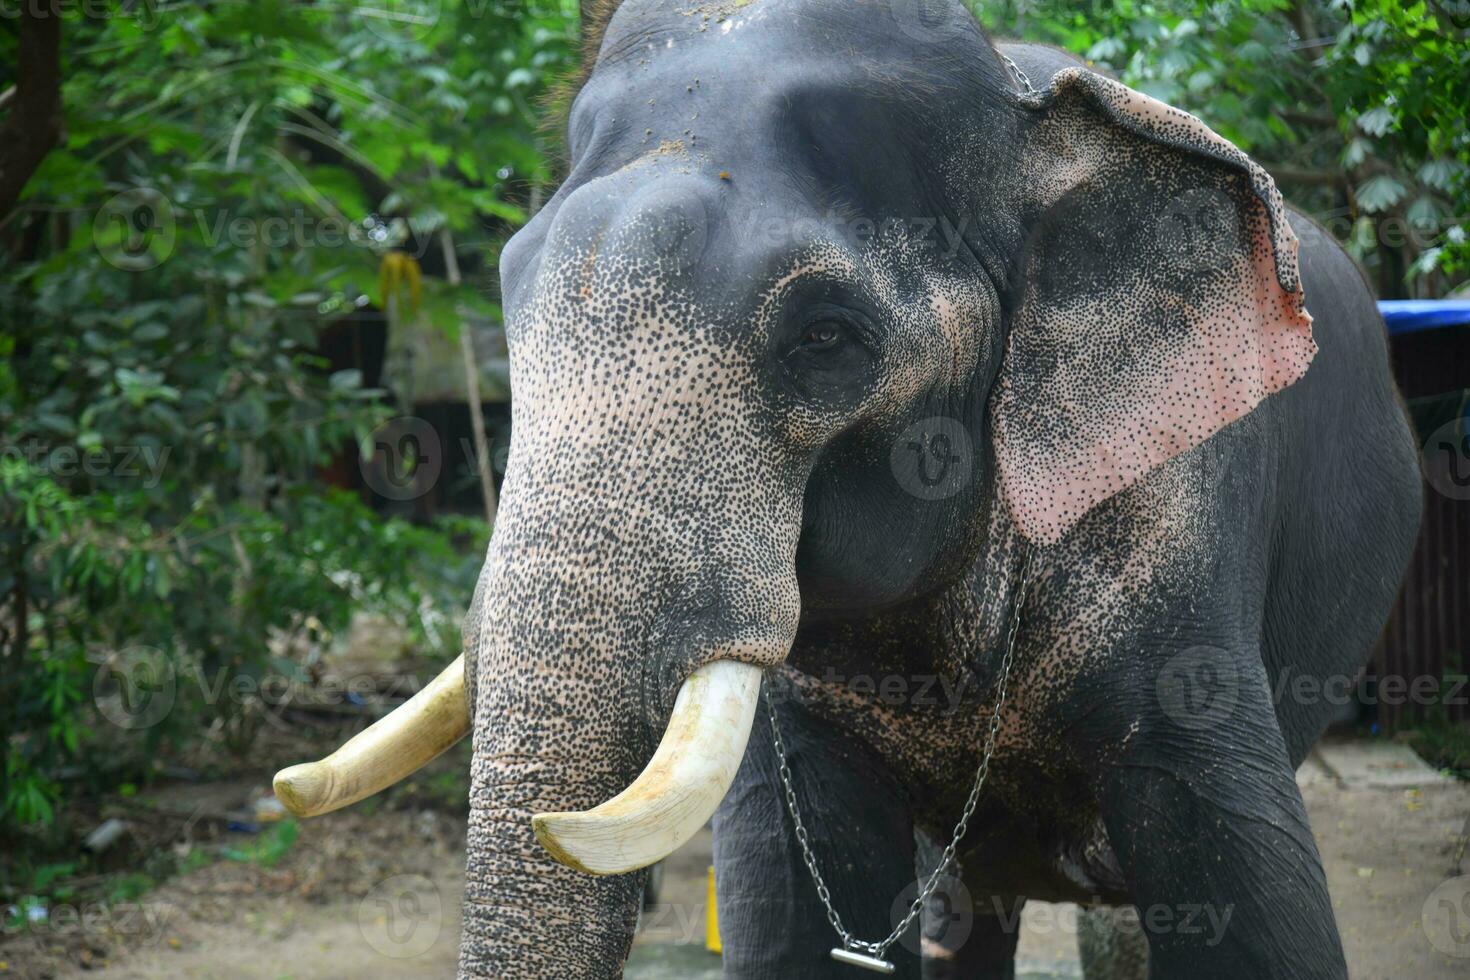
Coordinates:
x,y
1386,853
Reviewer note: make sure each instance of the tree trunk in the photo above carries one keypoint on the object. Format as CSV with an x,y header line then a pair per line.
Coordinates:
x,y
34,124
472,386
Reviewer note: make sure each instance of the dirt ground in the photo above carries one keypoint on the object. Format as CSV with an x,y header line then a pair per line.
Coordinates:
x,y
1402,903
377,894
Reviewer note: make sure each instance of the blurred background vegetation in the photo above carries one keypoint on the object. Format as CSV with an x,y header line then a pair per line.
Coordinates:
x,y
194,198
225,183
1356,107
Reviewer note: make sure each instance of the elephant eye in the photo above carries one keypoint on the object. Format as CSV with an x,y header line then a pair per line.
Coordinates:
x,y
822,335
829,349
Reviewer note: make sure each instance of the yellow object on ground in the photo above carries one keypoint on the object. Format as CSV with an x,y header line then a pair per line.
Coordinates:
x,y
711,916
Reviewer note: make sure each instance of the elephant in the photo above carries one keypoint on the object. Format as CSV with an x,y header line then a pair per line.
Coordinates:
x,y
924,384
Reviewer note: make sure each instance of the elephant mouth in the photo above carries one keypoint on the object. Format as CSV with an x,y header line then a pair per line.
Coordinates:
x,y
668,802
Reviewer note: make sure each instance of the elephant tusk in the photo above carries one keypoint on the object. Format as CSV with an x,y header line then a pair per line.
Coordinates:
x,y
677,791
389,750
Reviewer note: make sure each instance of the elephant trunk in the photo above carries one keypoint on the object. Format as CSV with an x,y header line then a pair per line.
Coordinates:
x,y
612,663
526,916
615,687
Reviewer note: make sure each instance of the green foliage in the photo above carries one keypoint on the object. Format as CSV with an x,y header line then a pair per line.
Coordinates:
x,y
1358,108
1443,743
267,848
234,179
159,493
129,886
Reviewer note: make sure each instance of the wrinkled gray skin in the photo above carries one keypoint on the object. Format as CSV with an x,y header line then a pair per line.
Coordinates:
x,y
730,365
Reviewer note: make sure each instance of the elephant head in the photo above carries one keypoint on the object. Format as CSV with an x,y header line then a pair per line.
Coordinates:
x,y
830,303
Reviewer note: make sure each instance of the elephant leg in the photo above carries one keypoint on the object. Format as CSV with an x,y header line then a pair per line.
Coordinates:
x,y
967,935
1111,946
772,925
1202,810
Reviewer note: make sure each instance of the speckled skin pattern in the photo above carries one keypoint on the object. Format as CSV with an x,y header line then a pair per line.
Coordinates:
x,y
827,326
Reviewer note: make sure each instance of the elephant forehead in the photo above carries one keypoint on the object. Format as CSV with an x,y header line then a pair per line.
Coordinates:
x,y
714,73
627,281
801,27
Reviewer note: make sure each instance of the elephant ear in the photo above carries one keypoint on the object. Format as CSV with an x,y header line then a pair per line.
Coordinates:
x,y
1157,299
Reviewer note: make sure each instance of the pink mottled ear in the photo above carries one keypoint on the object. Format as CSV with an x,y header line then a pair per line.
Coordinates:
x,y
1158,299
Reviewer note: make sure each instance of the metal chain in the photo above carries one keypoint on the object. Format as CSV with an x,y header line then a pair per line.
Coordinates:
x,y
877,949
1020,75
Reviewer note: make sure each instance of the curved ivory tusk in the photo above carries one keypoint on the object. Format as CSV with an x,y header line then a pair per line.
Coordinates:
x,y
392,748
677,791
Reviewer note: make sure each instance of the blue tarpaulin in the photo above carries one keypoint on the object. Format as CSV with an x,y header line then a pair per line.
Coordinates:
x,y
1412,315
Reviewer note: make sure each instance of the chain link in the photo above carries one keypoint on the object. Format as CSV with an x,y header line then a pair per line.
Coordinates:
x,y
878,949
1020,75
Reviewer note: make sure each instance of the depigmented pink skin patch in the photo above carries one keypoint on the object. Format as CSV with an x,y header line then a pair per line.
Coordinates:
x,y
1248,335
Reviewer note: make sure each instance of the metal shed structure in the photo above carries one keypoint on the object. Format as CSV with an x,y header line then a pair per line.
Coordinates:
x,y
1423,657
